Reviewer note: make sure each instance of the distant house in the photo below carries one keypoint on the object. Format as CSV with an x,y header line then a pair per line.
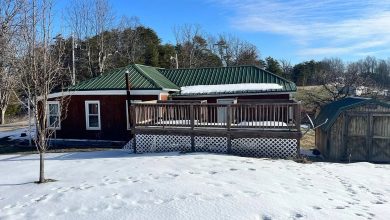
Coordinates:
x,y
355,91
97,108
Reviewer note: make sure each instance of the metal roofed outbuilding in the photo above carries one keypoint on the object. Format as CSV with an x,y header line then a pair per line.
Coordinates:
x,y
356,129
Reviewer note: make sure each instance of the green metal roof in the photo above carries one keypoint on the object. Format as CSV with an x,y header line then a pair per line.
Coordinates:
x,y
147,77
331,111
226,75
141,77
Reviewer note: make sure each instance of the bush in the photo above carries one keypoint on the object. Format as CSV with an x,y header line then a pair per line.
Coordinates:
x,y
14,110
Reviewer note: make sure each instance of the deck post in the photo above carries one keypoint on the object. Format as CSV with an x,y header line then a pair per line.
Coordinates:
x,y
130,110
298,127
228,126
132,123
192,121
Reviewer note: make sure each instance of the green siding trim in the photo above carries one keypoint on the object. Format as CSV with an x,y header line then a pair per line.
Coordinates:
x,y
226,75
141,77
332,110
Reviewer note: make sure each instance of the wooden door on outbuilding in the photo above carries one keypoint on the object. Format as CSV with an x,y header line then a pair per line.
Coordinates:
x,y
354,129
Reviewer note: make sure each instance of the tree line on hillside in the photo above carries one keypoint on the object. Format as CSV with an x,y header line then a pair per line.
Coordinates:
x,y
130,42
375,72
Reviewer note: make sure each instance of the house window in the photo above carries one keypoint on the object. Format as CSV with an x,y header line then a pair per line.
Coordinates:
x,y
127,112
92,115
53,115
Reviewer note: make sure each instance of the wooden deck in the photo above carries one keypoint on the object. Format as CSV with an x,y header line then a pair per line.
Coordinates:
x,y
243,120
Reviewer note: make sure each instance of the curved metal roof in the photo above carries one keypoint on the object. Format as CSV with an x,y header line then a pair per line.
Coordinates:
x,y
330,112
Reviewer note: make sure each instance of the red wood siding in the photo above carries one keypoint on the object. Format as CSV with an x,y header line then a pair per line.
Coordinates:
x,y
112,116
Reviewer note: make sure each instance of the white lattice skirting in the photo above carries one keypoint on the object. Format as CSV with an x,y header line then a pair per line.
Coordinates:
x,y
211,144
162,143
255,147
265,147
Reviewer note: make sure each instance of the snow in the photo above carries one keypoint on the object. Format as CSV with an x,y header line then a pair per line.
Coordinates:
x,y
229,88
243,123
176,122
16,134
263,123
117,185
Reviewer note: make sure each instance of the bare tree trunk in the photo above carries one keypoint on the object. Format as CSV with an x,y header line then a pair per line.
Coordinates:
x,y
41,73
41,167
3,116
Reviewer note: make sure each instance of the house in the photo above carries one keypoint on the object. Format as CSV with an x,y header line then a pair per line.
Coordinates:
x,y
97,107
232,98
354,129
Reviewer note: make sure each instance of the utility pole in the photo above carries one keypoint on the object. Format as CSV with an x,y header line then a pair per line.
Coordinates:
x,y
73,62
224,58
176,60
29,122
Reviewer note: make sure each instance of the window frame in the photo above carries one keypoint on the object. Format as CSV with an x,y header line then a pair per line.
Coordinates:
x,y
128,126
58,114
87,103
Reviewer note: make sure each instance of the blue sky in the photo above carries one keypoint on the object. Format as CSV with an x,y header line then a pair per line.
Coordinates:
x,y
295,30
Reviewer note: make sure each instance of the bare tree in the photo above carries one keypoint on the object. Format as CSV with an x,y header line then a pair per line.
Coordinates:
x,y
102,20
337,80
92,19
10,17
129,40
7,83
233,51
248,55
286,67
41,73
187,38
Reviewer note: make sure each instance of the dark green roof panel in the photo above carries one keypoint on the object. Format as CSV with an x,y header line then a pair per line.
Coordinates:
x,y
225,75
330,112
141,77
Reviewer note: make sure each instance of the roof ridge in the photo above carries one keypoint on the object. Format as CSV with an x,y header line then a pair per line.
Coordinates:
x,y
210,67
136,66
274,74
149,78
139,64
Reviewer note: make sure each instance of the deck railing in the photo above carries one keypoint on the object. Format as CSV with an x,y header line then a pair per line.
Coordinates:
x,y
259,116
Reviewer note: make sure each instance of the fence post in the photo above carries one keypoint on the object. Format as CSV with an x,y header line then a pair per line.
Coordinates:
x,y
228,126
192,121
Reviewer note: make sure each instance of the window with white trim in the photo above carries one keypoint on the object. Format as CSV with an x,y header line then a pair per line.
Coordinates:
x,y
53,115
127,112
92,115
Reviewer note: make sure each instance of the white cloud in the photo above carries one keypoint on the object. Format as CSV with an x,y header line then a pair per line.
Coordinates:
x,y
323,27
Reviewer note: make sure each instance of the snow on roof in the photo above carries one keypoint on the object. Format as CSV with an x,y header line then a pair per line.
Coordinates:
x,y
230,88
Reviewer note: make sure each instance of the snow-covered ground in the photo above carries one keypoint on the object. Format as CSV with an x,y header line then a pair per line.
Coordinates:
x,y
16,134
117,185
